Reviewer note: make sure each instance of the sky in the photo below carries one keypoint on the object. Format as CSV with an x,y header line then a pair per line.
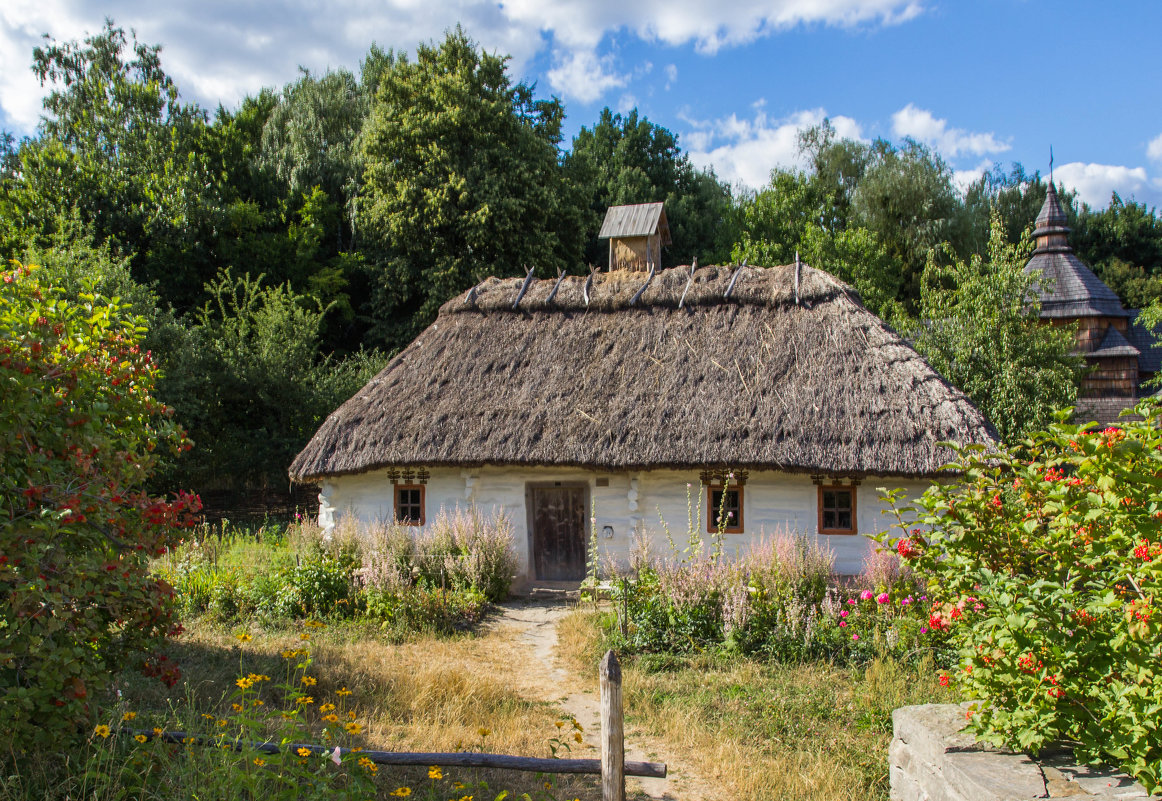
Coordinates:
x,y
983,82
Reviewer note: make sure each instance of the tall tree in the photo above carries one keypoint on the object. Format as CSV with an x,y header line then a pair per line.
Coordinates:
x,y
623,160
462,181
979,327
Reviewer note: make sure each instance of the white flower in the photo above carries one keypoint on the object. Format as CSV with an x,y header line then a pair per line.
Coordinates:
x,y
335,756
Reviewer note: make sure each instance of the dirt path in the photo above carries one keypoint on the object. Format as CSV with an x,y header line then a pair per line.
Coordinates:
x,y
536,671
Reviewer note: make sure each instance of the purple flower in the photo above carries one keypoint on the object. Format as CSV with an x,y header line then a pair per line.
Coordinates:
x,y
923,629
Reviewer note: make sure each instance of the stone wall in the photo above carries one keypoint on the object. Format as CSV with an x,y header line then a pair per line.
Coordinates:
x,y
931,759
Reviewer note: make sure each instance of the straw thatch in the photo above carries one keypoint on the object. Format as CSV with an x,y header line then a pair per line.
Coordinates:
x,y
754,381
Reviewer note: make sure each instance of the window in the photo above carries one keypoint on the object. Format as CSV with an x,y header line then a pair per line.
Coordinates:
x,y
837,510
409,504
729,509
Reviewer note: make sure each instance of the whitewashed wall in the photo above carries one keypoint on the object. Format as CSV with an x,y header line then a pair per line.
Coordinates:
x,y
772,502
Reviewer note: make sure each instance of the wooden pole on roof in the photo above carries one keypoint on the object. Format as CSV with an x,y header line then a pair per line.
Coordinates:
x,y
798,267
556,286
733,278
588,284
523,289
637,295
689,283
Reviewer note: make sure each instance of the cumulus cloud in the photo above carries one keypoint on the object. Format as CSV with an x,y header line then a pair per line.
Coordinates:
x,y
744,151
584,76
1154,149
221,50
1094,183
922,126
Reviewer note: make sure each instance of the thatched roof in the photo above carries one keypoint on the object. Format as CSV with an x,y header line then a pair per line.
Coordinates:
x,y
753,380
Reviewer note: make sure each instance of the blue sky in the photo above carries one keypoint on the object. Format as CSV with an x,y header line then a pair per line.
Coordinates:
x,y
982,81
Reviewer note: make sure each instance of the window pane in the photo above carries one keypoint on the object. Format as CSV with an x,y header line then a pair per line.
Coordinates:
x,y
828,500
843,500
844,519
829,518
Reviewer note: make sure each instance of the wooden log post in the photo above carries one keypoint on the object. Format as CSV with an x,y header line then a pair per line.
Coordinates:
x,y
612,731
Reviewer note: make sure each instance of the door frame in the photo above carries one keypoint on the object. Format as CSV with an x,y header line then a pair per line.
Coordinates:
x,y
581,484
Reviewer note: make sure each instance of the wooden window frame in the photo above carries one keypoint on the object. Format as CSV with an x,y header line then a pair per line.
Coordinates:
x,y
712,509
854,520
423,504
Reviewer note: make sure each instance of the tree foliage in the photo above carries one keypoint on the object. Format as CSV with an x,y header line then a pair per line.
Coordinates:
x,y
461,182
81,434
979,327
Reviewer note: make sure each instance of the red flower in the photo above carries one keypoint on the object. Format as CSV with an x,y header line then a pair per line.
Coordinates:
x,y
906,548
944,679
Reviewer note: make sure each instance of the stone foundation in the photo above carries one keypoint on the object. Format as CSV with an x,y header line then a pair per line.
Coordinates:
x,y
932,760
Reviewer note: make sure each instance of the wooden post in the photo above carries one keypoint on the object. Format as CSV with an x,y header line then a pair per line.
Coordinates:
x,y
612,731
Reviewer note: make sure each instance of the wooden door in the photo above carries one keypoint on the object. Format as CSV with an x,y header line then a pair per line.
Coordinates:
x,y
557,515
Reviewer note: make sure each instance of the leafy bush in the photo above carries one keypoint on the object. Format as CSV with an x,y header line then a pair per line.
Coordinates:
x,y
80,435
426,609
1045,565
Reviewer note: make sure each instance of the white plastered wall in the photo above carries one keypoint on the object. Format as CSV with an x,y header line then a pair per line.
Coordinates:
x,y
773,502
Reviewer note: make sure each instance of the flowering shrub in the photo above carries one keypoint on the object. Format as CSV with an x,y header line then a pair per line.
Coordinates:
x,y
1044,568
80,436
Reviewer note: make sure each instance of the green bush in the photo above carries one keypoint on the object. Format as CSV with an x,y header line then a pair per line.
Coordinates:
x,y
1045,565
79,437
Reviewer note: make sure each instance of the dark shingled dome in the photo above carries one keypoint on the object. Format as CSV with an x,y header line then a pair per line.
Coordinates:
x,y
685,377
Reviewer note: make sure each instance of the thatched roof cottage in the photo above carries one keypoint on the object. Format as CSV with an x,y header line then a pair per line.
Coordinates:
x,y
770,394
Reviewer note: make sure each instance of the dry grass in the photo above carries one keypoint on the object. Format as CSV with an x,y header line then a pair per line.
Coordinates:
x,y
762,731
428,694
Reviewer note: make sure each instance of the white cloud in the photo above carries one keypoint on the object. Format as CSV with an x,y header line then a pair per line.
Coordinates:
x,y
963,179
922,126
1154,149
1094,183
221,50
672,76
744,151
583,76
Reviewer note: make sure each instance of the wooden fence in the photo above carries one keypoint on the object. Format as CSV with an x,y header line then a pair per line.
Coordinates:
x,y
612,766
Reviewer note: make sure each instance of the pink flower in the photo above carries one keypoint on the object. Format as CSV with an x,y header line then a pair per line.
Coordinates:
x,y
866,595
843,623
882,598
854,636
851,601
843,613
335,756
923,629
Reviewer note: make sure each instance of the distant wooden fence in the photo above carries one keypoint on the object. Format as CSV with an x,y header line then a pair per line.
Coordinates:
x,y
612,766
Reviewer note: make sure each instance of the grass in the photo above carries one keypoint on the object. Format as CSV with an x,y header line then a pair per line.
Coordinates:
x,y
759,730
428,694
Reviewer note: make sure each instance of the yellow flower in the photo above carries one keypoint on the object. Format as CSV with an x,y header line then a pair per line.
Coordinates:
x,y
434,772
140,738
343,692
101,731
259,762
158,731
207,717
306,699
332,718
401,792
364,762
303,752
483,732
351,714
243,637
548,785
223,723
244,683
257,702
129,716
353,728
189,741
236,707
577,736
326,707
457,785
304,636
309,681
577,725
560,723
289,654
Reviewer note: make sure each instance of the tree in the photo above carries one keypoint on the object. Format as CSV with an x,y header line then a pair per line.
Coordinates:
x,y
461,182
625,160
794,215
81,433
979,327
1123,244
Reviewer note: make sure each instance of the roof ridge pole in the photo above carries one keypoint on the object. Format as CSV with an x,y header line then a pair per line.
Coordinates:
x,y
637,295
556,286
588,284
798,268
733,278
689,283
523,288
